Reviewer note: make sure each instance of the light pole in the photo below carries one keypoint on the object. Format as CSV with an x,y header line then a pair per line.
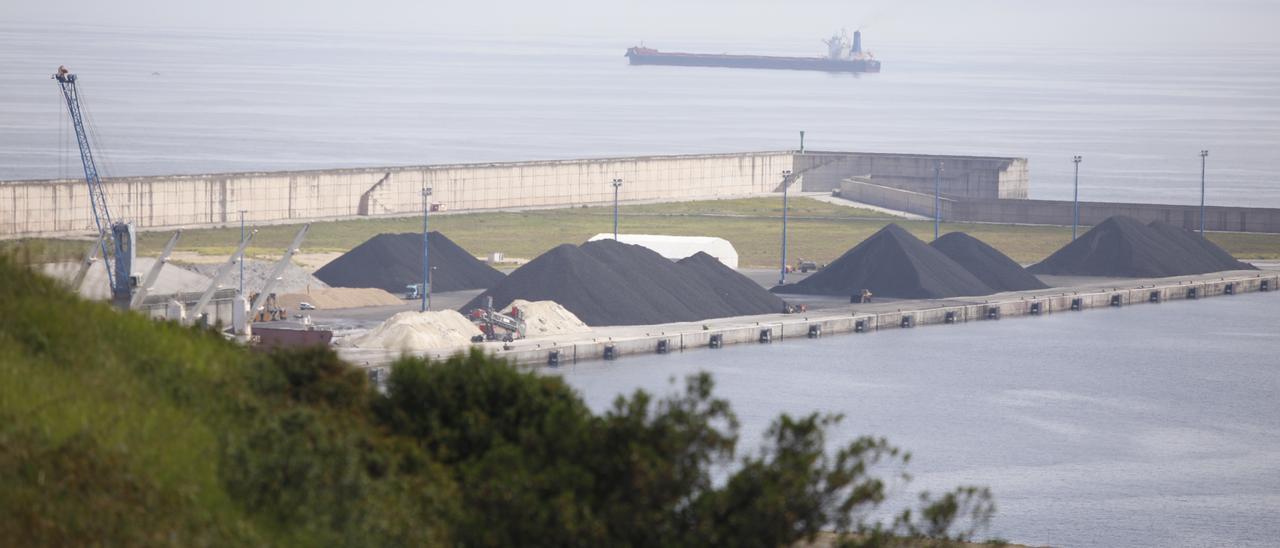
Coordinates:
x,y
937,199
786,174
1204,155
1075,200
426,247
617,183
242,256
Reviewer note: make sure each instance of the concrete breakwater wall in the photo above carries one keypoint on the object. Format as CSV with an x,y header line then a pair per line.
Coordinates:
x,y
963,176
1057,212
61,207
767,329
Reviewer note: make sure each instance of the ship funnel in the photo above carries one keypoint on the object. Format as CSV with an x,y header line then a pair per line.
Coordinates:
x,y
857,42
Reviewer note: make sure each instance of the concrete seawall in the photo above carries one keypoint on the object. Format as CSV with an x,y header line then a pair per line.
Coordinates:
x,y
61,207
957,208
657,339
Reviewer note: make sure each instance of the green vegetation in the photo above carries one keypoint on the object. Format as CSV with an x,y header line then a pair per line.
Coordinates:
x,y
118,430
817,231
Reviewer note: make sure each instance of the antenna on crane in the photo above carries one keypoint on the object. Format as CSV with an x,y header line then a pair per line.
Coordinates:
x,y
116,238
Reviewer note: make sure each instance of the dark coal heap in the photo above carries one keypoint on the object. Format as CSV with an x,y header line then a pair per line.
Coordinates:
x,y
1124,247
393,261
892,263
1215,258
609,283
986,263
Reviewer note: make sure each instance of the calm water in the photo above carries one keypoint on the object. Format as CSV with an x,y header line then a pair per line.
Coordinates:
x,y
189,102
1155,425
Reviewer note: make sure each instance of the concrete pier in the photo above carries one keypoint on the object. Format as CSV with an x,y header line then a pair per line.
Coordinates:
x,y
680,337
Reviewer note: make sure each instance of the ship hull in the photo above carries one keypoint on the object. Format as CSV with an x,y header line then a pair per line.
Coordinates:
x,y
752,61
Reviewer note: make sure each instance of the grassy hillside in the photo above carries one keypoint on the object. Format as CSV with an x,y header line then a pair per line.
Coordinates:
x,y
119,430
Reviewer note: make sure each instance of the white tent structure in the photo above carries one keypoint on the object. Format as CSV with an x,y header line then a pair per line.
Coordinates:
x,y
679,247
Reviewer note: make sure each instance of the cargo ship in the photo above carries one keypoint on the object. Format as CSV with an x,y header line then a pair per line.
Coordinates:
x,y
843,55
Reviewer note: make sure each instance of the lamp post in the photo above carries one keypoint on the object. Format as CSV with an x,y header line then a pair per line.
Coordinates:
x,y
1075,200
937,199
426,247
786,175
1204,155
242,256
617,183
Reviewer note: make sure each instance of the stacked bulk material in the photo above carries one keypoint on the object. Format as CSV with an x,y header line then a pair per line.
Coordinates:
x,y
1215,258
419,331
542,318
892,263
293,279
393,261
1124,247
986,263
610,283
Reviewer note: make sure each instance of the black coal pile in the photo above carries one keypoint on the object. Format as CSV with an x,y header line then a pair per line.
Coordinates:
x,y
892,263
1216,258
986,263
393,261
1124,247
610,283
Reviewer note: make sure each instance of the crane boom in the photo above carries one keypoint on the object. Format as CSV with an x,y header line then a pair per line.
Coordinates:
x,y
116,254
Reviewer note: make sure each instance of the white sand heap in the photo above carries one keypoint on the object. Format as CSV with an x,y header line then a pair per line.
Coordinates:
x,y
420,331
547,318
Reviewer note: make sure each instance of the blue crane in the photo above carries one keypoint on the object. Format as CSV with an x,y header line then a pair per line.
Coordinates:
x,y
116,238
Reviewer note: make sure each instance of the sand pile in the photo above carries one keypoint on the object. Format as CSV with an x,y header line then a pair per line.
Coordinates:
x,y
294,279
546,318
611,283
986,263
892,263
330,298
419,331
172,279
1124,247
392,261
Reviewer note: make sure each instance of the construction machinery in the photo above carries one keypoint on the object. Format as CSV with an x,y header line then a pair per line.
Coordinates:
x,y
490,321
116,239
270,311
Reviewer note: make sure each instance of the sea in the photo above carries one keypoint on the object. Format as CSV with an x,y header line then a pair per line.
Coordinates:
x,y
184,101
1151,425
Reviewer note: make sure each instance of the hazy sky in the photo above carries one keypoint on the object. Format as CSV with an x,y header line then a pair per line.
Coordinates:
x,y
1158,23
